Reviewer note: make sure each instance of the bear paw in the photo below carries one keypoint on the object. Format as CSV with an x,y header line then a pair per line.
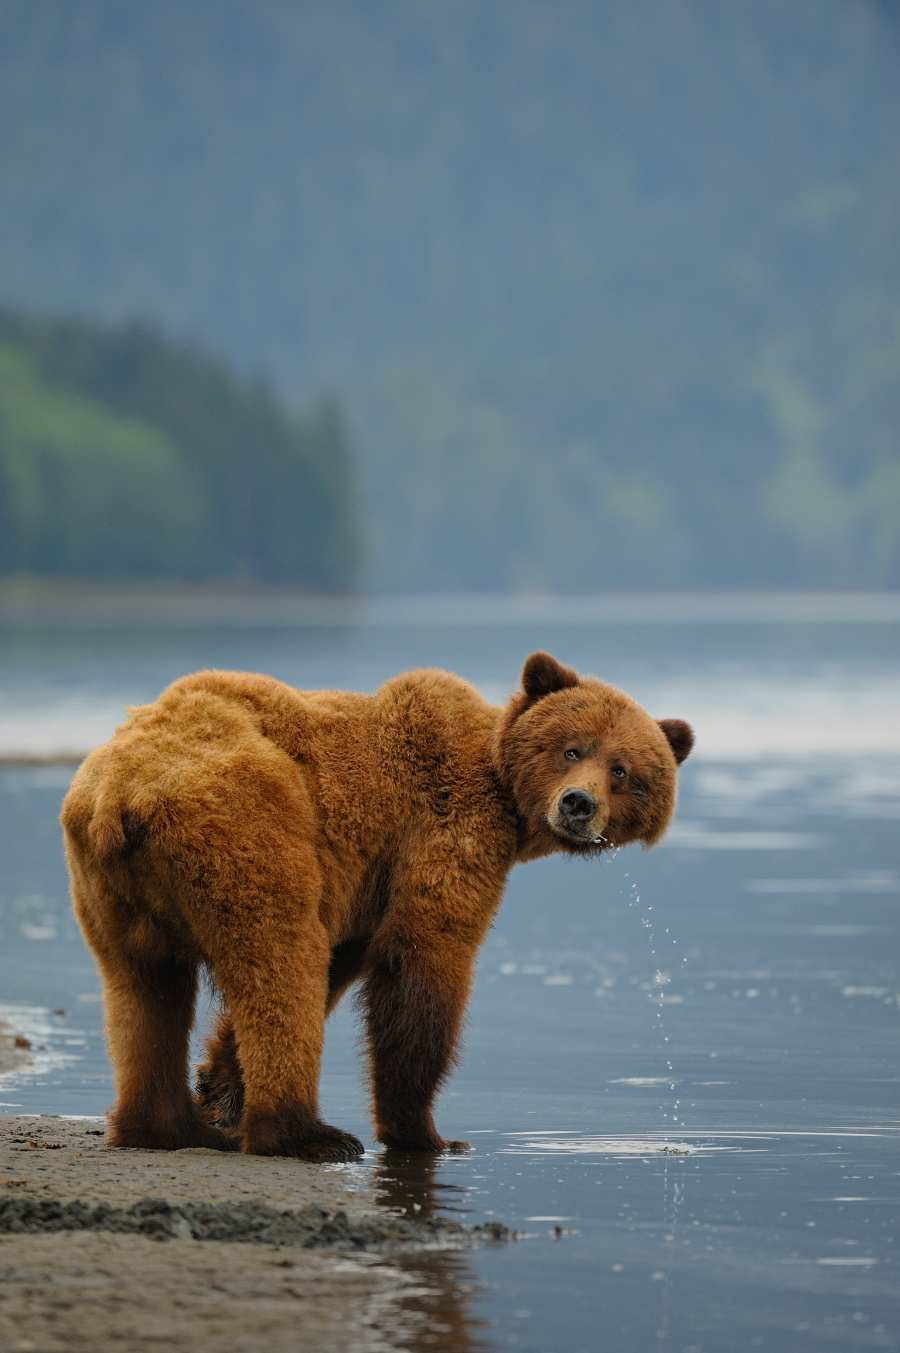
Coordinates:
x,y
219,1102
185,1132
415,1141
292,1132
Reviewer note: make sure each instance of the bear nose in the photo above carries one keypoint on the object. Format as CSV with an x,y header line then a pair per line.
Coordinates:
x,y
578,803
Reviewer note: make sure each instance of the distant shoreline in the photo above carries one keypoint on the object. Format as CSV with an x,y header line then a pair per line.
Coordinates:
x,y
35,759
115,604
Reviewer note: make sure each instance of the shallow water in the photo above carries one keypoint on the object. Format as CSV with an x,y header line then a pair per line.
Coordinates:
x,y
748,1022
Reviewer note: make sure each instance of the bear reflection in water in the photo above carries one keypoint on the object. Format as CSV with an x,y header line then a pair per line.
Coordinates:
x,y
296,842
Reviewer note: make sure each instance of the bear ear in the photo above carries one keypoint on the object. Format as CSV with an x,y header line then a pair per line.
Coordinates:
x,y
542,675
680,736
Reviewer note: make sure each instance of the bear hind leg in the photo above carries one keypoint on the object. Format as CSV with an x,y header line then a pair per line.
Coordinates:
x,y
275,994
220,1080
149,1011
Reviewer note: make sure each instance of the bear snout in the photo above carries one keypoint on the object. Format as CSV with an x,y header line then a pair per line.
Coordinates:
x,y
579,815
578,805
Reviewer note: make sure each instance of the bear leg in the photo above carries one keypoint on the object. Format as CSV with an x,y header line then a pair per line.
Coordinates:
x,y
249,889
149,1012
149,990
348,961
220,1080
276,996
414,998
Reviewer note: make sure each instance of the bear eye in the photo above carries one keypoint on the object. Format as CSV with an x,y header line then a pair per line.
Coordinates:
x,y
572,754
618,772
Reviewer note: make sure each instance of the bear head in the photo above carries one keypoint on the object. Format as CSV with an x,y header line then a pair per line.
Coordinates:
x,y
587,767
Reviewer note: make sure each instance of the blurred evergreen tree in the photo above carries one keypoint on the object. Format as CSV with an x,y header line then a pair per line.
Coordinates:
x,y
123,455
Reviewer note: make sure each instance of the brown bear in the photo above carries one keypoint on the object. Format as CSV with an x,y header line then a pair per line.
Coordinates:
x,y
294,842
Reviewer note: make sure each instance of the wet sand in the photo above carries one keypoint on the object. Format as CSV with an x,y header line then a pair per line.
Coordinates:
x,y
197,1249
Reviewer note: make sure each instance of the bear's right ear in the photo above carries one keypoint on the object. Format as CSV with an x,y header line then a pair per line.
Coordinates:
x,y
542,675
680,737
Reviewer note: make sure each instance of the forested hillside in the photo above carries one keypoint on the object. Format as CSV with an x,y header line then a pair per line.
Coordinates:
x,y
609,290
125,456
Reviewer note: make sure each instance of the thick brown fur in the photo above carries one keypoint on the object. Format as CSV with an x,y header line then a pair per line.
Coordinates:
x,y
295,842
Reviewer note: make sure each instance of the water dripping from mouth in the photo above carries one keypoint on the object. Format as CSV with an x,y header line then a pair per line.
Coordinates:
x,y
661,980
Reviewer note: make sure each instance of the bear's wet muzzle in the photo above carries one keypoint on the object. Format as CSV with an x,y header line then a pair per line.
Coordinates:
x,y
577,816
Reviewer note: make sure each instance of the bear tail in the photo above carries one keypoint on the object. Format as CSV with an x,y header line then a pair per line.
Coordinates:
x,y
106,830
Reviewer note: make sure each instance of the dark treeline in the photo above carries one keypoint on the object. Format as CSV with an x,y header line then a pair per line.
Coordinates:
x,y
123,455
609,291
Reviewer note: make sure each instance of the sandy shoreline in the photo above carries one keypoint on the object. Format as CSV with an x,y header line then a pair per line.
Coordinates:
x,y
199,1249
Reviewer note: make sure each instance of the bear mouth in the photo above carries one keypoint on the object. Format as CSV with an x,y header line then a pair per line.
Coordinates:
x,y
585,837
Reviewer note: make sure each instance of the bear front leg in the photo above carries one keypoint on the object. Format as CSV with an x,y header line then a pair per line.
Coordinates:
x,y
414,998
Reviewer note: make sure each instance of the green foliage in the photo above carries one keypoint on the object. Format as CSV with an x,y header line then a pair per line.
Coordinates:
x,y
125,456
604,283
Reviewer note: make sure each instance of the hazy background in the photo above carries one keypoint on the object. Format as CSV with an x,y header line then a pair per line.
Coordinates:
x,y
468,297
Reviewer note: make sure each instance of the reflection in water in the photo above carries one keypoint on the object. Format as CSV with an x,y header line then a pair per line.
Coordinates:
x,y
439,1301
408,1183
675,1180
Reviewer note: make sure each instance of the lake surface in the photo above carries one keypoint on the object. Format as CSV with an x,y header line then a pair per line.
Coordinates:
x,y
733,994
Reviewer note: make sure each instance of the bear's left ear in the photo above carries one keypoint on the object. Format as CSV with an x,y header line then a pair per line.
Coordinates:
x,y
680,736
542,675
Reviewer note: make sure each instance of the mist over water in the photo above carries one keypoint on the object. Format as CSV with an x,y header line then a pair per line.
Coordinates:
x,y
680,1074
